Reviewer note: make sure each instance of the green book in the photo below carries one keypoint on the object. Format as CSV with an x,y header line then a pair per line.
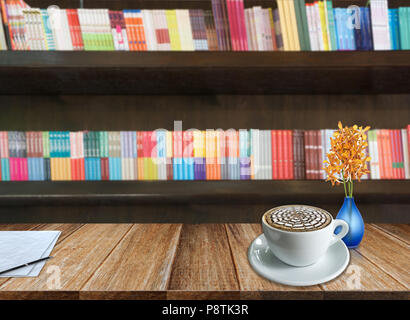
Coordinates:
x,y
403,26
98,142
46,144
408,27
86,144
299,24
331,23
103,137
303,17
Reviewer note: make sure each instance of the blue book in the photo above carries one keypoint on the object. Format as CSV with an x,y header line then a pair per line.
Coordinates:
x,y
97,169
368,29
351,45
42,175
177,168
358,34
111,168
339,29
394,29
30,167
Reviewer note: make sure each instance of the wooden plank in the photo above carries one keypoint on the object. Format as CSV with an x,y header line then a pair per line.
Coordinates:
x,y
17,227
252,285
387,252
401,231
139,267
77,258
363,280
203,265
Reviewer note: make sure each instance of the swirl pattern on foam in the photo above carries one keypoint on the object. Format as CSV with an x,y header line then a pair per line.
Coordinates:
x,y
298,218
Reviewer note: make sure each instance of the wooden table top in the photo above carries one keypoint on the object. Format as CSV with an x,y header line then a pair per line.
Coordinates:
x,y
205,261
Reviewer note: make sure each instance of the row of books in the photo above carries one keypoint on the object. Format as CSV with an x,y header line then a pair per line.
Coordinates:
x,y
189,155
295,25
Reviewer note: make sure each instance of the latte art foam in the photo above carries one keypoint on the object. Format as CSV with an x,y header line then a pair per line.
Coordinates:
x,y
298,218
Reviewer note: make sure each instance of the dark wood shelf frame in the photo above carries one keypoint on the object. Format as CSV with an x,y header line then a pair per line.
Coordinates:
x,y
135,73
189,201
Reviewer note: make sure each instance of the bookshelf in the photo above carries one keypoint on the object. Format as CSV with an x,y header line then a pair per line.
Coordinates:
x,y
149,90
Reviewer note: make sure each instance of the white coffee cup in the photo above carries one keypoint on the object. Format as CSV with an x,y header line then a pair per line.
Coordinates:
x,y
302,248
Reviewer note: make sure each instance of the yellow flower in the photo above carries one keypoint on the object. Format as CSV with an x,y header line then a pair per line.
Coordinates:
x,y
346,159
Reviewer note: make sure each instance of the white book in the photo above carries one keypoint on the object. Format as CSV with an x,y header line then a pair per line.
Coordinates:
x,y
312,39
149,30
188,31
315,32
255,153
268,30
252,29
373,153
164,25
269,153
56,26
380,24
248,30
40,30
107,29
323,136
405,153
158,25
184,30
67,34
258,28
28,29
318,25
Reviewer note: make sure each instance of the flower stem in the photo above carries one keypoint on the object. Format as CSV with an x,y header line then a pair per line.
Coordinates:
x,y
344,183
351,189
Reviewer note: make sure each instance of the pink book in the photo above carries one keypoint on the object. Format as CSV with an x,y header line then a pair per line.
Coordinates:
x,y
13,169
24,169
242,25
231,14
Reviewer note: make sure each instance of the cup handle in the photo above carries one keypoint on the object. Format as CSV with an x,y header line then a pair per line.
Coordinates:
x,y
342,233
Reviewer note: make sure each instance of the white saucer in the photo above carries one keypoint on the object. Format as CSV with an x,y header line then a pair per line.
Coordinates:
x,y
264,262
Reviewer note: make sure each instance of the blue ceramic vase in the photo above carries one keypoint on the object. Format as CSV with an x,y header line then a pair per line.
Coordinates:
x,y
349,213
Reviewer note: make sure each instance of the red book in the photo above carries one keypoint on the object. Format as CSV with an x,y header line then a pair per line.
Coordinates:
x,y
319,156
231,17
153,152
408,139
274,155
105,169
285,154
71,27
77,30
400,154
389,154
290,154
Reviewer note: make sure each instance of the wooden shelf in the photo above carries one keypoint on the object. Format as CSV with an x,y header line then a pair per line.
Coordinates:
x,y
195,192
204,72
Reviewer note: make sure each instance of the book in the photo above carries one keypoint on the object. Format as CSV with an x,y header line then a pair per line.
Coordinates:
x,y
380,24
